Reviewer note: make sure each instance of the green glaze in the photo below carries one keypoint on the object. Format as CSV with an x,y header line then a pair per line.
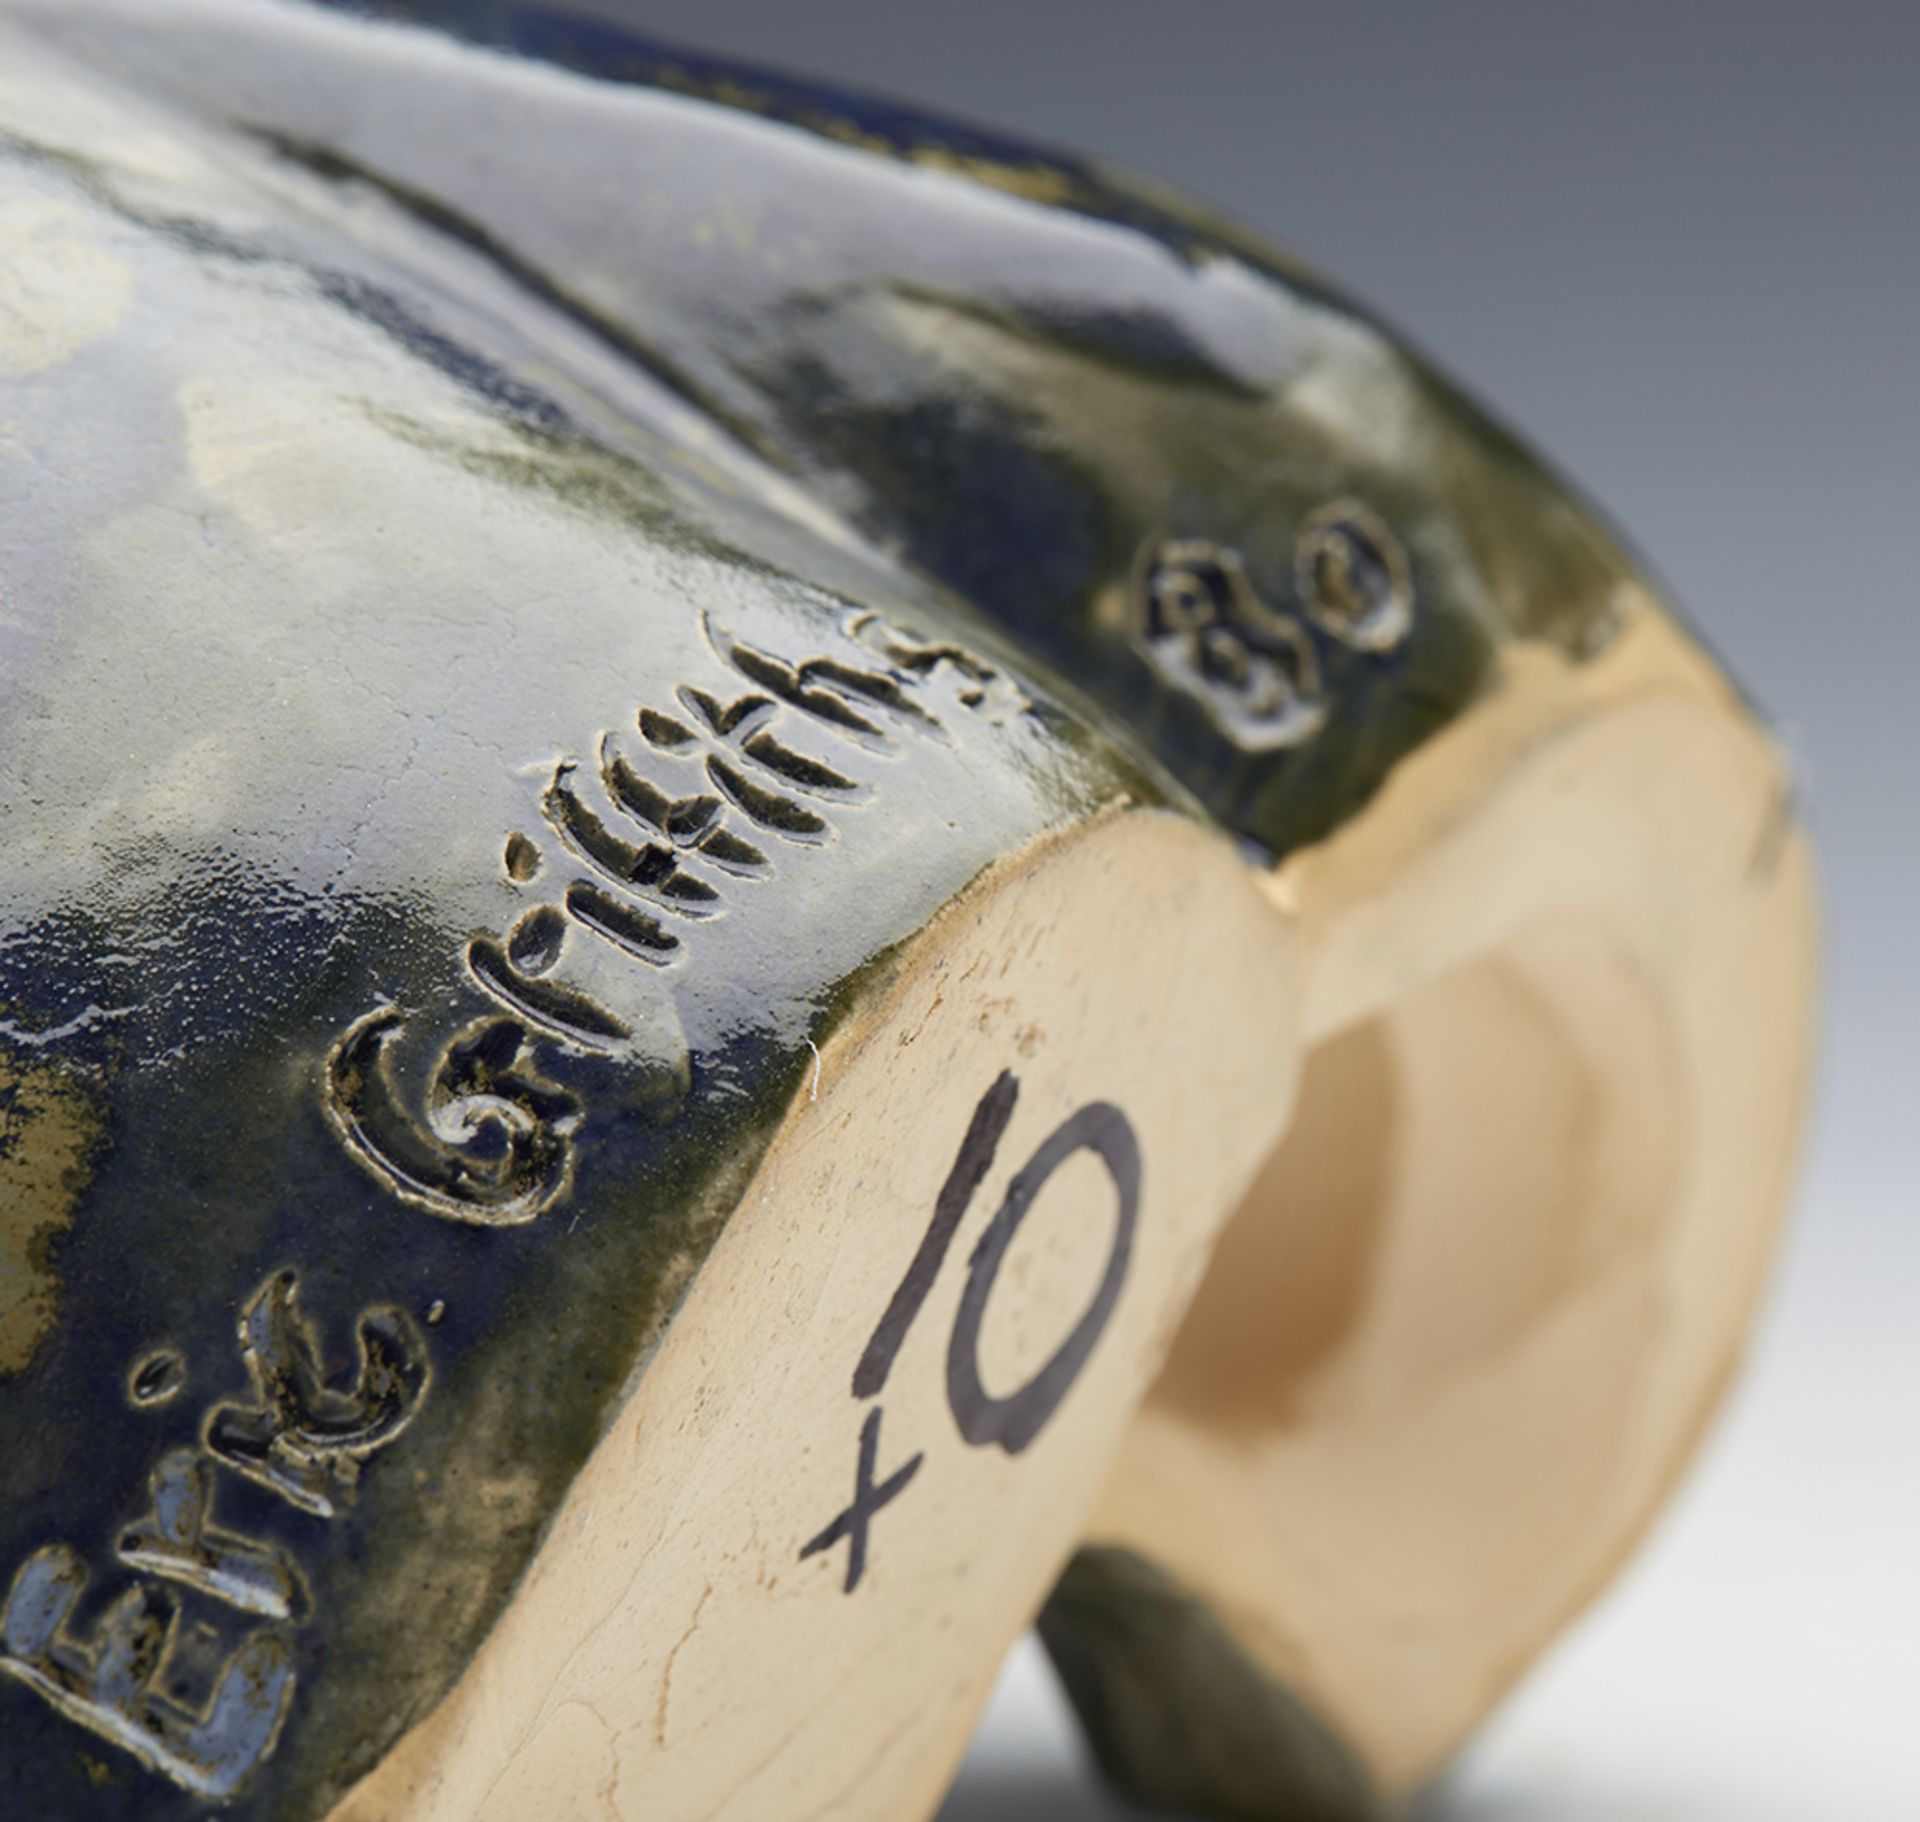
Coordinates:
x,y
299,625
385,423
1018,371
1177,1715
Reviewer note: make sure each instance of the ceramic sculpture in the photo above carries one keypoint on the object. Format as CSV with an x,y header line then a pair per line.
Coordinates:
x,y
779,884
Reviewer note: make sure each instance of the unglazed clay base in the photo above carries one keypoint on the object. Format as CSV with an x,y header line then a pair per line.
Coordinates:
x,y
1455,1344
735,1572
781,885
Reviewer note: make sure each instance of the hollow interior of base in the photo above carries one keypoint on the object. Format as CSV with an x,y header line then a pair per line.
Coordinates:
x,y
1428,1318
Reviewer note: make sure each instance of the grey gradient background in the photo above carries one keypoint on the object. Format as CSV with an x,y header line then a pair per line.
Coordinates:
x,y
1679,245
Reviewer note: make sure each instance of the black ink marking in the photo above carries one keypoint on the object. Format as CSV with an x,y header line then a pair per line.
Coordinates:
x,y
1015,1420
855,1524
970,1166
